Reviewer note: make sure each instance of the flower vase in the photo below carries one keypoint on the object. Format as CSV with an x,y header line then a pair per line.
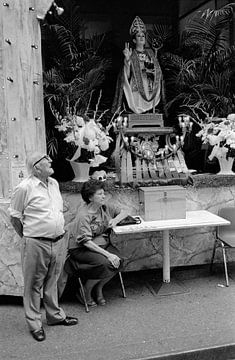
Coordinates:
x,y
81,171
225,166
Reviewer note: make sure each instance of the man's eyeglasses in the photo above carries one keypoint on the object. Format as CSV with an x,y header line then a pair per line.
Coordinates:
x,y
44,157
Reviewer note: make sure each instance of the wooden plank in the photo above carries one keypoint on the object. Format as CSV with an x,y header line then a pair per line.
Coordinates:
x,y
167,169
145,170
160,169
138,169
182,161
172,167
117,157
129,169
178,166
152,171
124,166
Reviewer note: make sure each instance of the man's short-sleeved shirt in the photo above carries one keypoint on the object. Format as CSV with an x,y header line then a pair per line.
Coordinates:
x,y
39,207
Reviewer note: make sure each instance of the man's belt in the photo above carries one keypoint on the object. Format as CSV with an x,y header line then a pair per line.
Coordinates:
x,y
49,239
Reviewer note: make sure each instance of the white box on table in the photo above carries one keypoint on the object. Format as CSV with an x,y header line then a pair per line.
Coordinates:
x,y
162,202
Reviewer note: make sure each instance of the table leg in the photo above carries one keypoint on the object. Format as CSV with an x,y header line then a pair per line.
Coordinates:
x,y
166,256
168,287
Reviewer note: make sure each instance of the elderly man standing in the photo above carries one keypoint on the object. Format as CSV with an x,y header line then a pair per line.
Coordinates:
x,y
36,212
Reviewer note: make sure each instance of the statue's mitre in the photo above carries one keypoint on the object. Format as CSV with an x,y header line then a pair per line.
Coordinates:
x,y
137,26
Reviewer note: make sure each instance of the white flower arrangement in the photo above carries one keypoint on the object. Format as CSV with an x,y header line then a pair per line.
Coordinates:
x,y
219,133
87,134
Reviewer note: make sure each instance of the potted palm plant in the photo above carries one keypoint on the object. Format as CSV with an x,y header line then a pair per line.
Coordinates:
x,y
74,71
199,75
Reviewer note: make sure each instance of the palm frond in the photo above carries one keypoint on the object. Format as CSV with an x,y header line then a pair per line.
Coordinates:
x,y
52,77
64,42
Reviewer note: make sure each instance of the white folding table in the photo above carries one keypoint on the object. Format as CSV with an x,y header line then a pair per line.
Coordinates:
x,y
197,218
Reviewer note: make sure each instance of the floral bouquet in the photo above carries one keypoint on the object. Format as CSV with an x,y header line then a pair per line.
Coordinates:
x,y
88,136
219,133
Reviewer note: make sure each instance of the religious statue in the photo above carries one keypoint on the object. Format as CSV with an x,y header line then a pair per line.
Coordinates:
x,y
141,78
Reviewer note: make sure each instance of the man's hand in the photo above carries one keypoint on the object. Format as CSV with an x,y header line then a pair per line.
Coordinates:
x,y
17,225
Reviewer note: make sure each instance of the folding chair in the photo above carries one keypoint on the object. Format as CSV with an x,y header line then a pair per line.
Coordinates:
x,y
71,270
225,237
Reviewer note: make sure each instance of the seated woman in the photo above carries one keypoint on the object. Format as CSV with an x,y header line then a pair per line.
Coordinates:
x,y
91,244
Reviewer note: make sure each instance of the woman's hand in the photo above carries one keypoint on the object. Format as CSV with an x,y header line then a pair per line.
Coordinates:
x,y
114,259
127,51
112,223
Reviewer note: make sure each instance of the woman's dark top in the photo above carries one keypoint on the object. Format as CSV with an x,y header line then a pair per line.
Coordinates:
x,y
91,225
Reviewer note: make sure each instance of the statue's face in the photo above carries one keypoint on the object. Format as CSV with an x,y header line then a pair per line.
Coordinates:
x,y
139,38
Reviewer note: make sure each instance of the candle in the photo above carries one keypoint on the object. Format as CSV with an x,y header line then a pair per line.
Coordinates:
x,y
125,122
190,125
132,140
126,139
166,149
119,120
174,148
181,139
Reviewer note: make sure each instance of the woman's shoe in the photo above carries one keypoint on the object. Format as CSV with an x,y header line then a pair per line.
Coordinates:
x,y
101,301
79,297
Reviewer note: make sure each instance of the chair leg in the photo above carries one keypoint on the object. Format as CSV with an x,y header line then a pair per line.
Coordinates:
x,y
225,263
213,255
122,285
83,294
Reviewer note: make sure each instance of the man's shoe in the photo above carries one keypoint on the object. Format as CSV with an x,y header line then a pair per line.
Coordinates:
x,y
38,335
68,321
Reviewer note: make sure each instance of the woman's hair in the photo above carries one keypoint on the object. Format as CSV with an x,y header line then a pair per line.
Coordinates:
x,y
89,188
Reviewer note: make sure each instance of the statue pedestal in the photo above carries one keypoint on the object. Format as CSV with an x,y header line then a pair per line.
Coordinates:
x,y
143,120
138,157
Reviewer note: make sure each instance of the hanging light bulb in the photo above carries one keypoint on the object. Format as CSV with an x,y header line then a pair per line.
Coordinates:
x,y
59,10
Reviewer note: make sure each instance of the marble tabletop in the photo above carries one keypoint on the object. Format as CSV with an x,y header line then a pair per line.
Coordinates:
x,y
195,218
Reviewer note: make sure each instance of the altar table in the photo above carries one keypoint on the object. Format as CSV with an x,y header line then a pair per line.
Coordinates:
x,y
197,218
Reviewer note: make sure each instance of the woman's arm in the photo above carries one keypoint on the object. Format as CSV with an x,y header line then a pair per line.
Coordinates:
x,y
114,259
113,222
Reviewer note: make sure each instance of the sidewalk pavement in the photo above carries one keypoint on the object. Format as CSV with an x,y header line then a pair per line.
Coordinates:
x,y
197,321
